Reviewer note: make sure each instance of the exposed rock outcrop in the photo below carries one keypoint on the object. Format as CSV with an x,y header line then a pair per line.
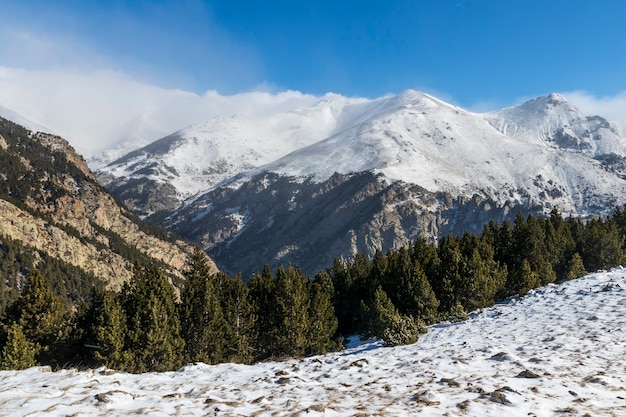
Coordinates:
x,y
52,202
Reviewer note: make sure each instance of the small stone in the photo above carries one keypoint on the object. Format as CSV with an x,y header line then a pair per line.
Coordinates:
x,y
528,374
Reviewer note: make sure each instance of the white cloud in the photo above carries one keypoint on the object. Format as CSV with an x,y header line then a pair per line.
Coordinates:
x,y
612,108
98,110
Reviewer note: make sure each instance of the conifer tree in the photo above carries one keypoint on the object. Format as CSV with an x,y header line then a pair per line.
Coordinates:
x,y
448,280
263,298
575,267
322,320
18,352
409,289
601,245
560,244
482,276
345,300
238,316
385,322
153,326
203,326
41,315
523,279
105,323
292,305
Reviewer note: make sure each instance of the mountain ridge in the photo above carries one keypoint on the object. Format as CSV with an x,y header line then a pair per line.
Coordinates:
x,y
435,169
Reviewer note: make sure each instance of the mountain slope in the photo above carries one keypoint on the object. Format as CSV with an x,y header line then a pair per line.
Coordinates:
x,y
197,158
376,175
51,203
421,140
557,351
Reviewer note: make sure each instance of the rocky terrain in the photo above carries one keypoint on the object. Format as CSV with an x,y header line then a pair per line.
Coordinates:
x,y
51,201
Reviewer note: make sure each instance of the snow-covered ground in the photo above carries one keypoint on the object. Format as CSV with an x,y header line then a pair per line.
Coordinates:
x,y
559,351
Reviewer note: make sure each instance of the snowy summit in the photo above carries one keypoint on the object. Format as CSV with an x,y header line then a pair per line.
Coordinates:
x,y
519,154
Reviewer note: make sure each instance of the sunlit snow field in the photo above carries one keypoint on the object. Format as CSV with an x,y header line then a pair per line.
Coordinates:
x,y
559,351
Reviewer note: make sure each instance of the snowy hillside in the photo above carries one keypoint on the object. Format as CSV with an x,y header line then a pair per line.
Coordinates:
x,y
198,157
552,120
557,351
418,139
542,152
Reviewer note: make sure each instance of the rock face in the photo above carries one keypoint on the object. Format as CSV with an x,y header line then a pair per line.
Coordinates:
x,y
275,220
50,200
375,175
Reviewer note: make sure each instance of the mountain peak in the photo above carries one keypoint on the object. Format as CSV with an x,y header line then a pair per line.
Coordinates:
x,y
553,98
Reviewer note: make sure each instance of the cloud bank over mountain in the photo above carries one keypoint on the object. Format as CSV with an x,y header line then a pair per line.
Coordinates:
x,y
101,109
97,110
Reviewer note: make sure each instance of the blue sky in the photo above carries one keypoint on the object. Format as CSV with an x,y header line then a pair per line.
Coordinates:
x,y
466,50
480,54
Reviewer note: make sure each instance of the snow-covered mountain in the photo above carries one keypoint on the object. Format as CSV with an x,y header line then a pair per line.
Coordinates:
x,y
351,175
557,351
199,157
552,120
418,139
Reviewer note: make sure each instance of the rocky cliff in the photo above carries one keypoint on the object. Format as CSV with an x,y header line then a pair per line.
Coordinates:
x,y
50,201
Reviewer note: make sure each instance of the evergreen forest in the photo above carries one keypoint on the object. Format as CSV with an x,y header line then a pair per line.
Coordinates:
x,y
152,325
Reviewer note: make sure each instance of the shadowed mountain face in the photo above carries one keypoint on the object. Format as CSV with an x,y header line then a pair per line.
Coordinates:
x,y
275,220
343,176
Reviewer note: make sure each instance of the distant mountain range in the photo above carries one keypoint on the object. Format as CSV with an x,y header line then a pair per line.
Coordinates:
x,y
349,175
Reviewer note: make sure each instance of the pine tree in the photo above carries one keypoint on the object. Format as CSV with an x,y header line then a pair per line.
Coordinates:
x,y
292,305
409,289
203,326
18,352
523,279
346,300
482,276
385,322
41,314
601,245
263,299
154,340
322,319
560,244
575,268
448,280
105,327
239,318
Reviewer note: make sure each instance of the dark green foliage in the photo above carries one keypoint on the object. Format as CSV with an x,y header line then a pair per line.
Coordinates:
x,y
448,281
18,352
291,300
105,330
385,322
321,334
483,276
262,292
600,244
220,318
575,268
153,339
202,323
41,314
407,285
239,318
